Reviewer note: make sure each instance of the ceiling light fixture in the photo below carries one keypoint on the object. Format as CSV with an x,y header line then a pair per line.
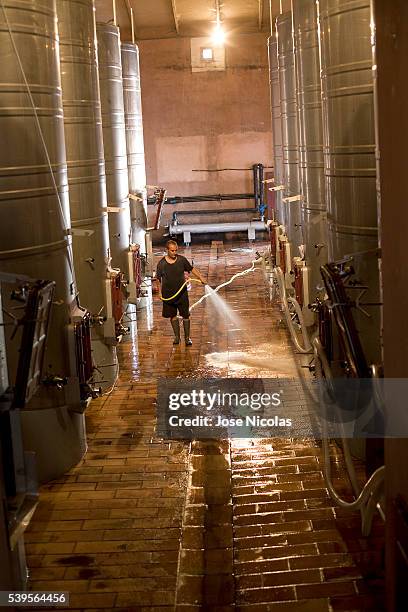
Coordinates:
x,y
218,35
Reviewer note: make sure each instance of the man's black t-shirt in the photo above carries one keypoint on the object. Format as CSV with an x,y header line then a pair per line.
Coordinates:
x,y
171,276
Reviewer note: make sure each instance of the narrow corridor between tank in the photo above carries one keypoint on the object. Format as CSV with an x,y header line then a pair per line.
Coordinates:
x,y
143,523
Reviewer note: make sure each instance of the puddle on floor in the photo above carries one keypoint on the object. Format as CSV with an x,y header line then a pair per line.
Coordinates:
x,y
267,359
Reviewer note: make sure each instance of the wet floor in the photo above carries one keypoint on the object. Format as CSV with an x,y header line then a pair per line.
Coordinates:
x,y
145,523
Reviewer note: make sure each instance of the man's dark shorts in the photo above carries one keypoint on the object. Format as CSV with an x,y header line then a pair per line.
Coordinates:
x,y
181,304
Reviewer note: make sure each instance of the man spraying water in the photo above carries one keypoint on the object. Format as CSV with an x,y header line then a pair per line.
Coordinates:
x,y
173,290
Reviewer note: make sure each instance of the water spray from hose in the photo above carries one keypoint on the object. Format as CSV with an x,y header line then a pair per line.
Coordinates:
x,y
213,291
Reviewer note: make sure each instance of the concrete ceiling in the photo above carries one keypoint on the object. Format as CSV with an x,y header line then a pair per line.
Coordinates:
x,y
171,18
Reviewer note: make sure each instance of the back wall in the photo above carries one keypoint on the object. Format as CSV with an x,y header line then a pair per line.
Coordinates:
x,y
205,120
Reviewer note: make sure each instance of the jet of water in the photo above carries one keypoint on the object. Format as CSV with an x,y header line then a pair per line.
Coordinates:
x,y
221,306
210,293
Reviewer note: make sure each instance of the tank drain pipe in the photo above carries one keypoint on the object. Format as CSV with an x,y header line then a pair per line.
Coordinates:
x,y
322,364
368,498
307,347
115,21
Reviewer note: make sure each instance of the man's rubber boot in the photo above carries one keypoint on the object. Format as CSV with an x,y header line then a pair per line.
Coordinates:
x,y
176,328
186,325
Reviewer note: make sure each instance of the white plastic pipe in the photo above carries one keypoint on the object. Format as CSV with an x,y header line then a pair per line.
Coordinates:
x,y
282,291
197,228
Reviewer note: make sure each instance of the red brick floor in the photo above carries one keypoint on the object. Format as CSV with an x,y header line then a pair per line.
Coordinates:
x,y
144,524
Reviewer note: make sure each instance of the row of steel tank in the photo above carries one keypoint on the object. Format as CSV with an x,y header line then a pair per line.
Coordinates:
x,y
322,104
71,155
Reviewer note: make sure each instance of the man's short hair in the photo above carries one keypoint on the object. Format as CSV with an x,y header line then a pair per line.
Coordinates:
x,y
169,242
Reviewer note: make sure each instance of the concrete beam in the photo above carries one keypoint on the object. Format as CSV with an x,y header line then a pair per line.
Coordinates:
x,y
175,17
260,13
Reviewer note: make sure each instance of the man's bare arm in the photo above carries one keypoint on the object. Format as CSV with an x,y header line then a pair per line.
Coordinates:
x,y
198,275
